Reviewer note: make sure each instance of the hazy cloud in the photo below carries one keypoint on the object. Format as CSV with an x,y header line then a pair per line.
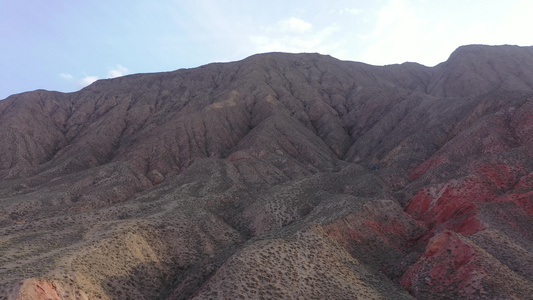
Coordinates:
x,y
399,26
351,11
87,80
294,35
118,71
294,25
428,31
66,76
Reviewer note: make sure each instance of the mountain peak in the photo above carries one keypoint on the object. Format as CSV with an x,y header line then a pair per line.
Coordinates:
x,y
478,69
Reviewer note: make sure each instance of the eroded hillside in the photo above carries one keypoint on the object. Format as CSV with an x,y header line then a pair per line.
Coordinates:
x,y
281,176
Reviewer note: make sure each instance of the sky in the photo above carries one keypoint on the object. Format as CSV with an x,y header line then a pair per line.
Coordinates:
x,y
64,45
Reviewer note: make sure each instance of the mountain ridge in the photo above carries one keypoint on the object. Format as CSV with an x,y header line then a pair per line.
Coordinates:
x,y
386,82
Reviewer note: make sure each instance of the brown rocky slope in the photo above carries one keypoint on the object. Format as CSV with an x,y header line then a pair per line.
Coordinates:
x,y
281,176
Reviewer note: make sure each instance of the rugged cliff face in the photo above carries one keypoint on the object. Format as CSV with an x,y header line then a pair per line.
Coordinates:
x,y
278,176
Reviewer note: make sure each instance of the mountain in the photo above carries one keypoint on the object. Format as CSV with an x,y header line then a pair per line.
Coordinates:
x,y
281,176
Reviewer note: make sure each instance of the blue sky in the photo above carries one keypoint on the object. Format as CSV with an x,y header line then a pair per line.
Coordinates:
x,y
65,45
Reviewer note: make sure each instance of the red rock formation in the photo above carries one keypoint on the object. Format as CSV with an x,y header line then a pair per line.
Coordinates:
x,y
378,234
452,267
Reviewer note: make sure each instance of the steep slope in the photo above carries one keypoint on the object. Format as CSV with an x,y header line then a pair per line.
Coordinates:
x,y
278,176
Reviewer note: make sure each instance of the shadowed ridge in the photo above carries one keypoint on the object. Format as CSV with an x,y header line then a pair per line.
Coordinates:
x,y
33,127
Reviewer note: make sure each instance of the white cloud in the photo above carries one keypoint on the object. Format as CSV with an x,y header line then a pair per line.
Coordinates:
x,y
294,26
428,31
399,35
117,72
66,76
87,80
295,35
351,11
